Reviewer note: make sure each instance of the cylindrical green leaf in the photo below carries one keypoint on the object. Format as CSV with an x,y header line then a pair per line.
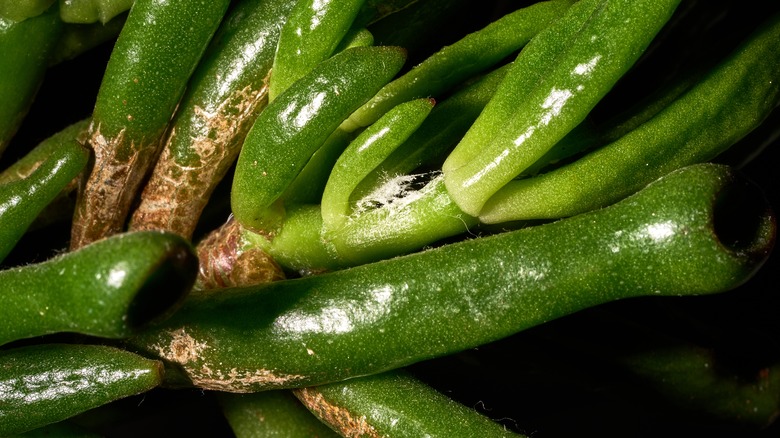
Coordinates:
x,y
151,62
310,35
729,102
271,414
364,154
20,10
440,132
474,53
577,61
297,123
22,200
91,11
80,38
699,230
26,47
224,97
395,404
43,384
111,288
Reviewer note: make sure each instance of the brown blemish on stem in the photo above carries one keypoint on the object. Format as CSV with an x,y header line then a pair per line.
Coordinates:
x,y
108,188
183,348
192,356
225,262
243,381
217,254
338,418
177,192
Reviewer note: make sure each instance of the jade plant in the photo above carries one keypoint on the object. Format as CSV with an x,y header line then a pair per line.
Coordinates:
x,y
301,218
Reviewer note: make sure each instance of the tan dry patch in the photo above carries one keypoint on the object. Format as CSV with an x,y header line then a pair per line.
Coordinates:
x,y
243,381
182,349
176,193
338,418
107,192
188,352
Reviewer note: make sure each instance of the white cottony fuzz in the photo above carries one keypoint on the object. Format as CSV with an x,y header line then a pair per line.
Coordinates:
x,y
396,191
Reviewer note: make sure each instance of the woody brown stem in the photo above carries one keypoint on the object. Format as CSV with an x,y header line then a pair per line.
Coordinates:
x,y
107,191
194,160
226,261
